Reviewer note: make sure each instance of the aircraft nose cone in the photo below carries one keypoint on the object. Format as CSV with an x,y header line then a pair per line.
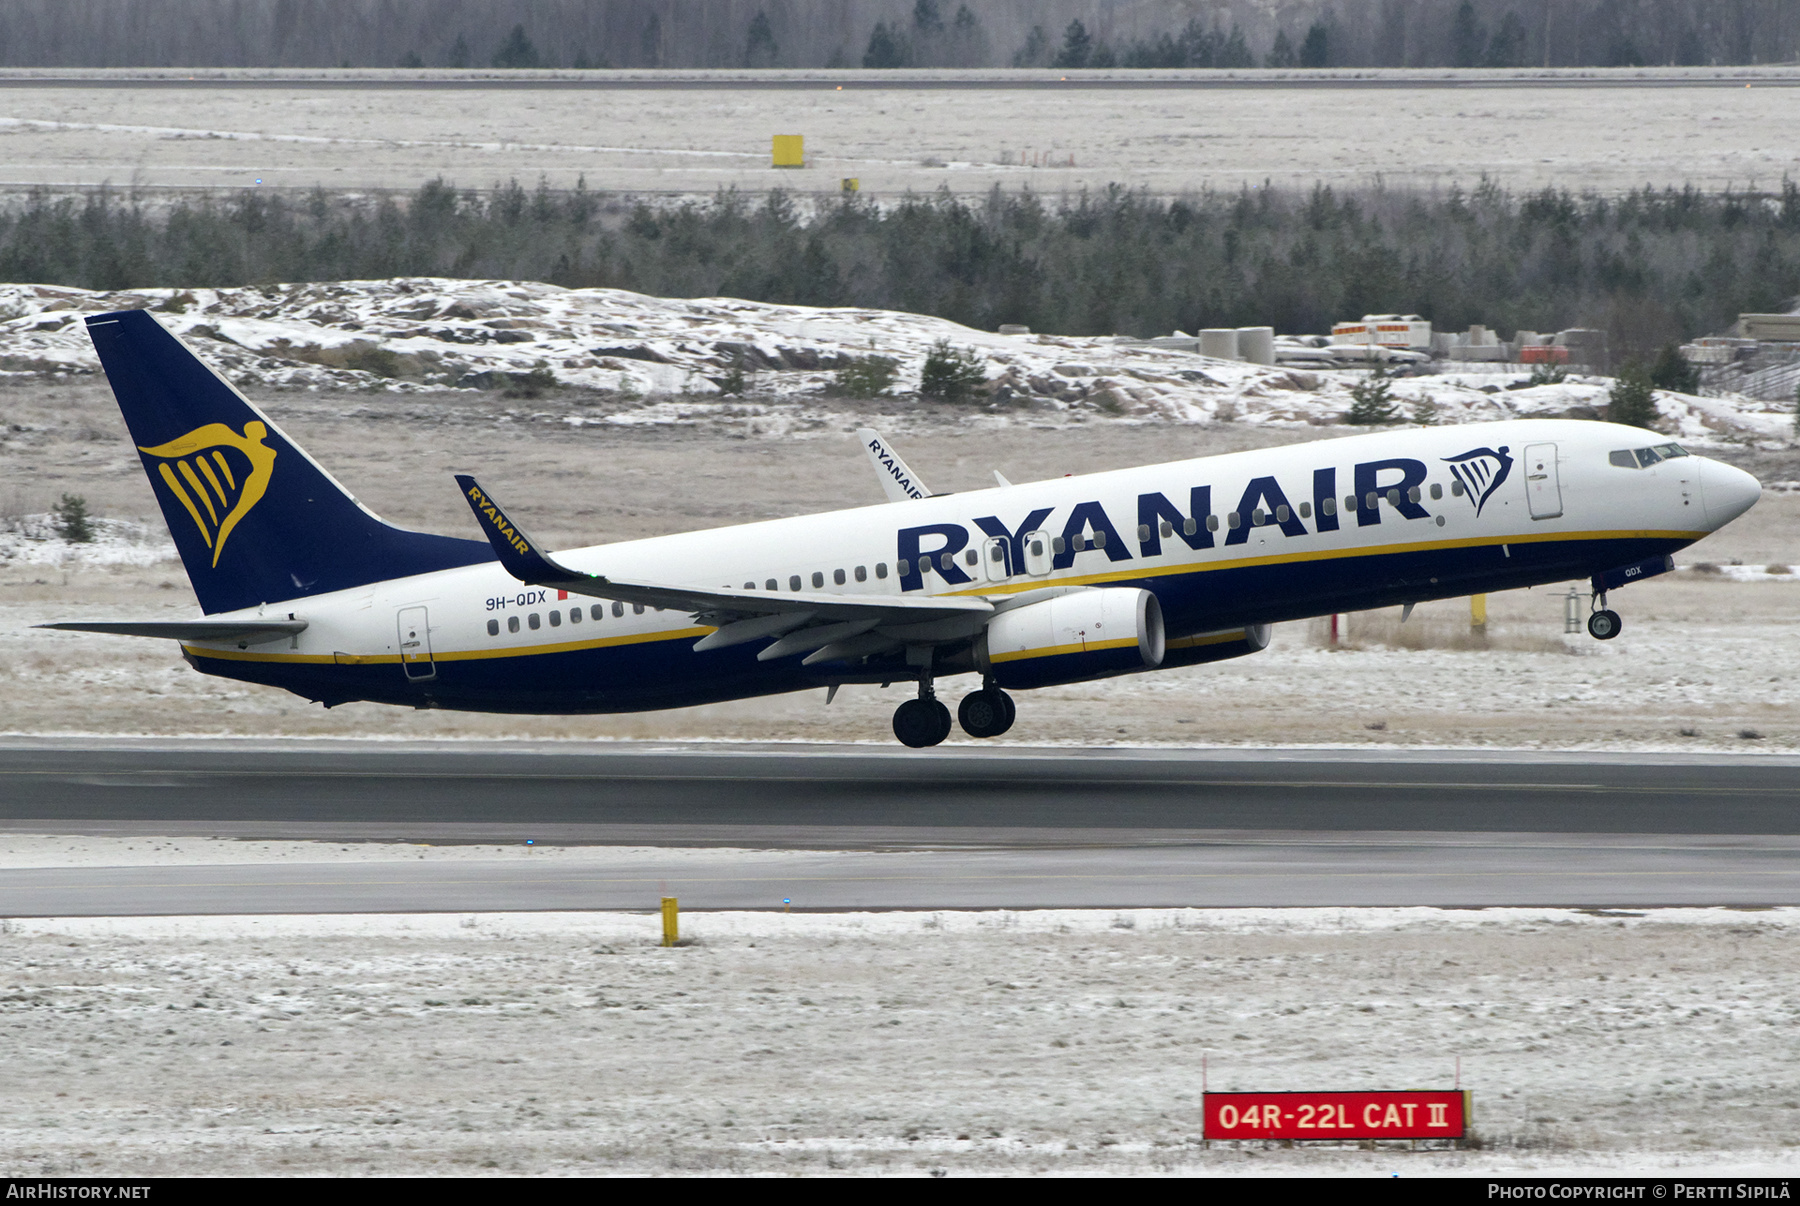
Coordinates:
x,y
1726,491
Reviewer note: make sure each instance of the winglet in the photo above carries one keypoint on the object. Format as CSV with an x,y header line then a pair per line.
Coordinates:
x,y
899,482
522,556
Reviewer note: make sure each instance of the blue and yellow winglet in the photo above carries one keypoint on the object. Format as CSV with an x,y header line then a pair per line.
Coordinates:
x,y
519,553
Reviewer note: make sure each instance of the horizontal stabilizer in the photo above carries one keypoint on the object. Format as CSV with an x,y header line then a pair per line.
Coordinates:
x,y
189,630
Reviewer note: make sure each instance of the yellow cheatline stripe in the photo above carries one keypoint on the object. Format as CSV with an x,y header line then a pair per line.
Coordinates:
x,y
1060,650
1202,567
453,655
225,469
212,479
187,471
168,476
1215,638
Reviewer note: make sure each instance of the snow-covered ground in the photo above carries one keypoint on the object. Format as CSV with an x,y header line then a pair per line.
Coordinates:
x,y
661,362
1063,1041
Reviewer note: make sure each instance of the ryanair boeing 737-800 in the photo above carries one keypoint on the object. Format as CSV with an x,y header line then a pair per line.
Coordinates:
x,y
1025,585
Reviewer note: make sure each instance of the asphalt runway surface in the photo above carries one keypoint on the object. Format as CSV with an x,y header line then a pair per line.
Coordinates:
x,y
853,827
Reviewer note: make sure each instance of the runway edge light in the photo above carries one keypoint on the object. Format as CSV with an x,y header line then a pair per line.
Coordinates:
x,y
671,921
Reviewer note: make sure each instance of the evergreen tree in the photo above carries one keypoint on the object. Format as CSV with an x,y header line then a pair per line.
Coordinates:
x,y
1316,50
1235,53
1468,37
1198,45
760,49
1674,372
968,41
459,52
517,51
1372,401
1632,399
1036,51
1102,56
70,518
1507,47
950,374
885,49
1282,53
411,59
1076,47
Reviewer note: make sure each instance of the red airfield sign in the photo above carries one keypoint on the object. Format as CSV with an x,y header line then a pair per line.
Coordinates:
x,y
1400,1115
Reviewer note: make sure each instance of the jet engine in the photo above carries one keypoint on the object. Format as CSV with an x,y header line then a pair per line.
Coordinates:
x,y
1074,637
1203,647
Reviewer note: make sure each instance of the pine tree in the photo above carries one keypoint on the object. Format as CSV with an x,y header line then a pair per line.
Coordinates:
x,y
1372,401
1316,50
517,51
760,49
1632,399
1076,48
1036,51
70,517
1282,53
885,48
1468,38
459,52
951,375
1674,372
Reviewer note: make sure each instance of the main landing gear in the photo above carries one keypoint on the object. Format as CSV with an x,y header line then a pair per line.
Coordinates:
x,y
1603,624
925,721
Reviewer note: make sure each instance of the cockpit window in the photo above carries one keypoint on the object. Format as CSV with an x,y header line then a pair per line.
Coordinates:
x,y
1643,458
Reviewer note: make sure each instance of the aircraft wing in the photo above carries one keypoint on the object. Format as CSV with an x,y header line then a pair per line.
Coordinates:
x,y
525,560
188,630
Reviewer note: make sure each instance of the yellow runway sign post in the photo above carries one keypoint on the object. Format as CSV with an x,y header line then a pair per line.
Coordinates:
x,y
789,150
671,922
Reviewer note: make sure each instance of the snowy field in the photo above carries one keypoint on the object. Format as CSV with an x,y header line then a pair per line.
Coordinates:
x,y
897,1043
967,139
626,359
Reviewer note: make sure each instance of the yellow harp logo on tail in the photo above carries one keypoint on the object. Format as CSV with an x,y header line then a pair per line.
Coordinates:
x,y
217,475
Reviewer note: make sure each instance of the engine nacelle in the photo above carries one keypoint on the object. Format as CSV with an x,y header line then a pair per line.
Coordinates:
x,y
1203,647
1074,637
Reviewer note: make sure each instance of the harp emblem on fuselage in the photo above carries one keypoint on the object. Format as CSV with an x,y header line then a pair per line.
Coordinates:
x,y
1481,470
216,475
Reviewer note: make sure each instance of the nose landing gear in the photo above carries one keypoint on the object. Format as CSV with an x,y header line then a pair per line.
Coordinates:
x,y
1604,624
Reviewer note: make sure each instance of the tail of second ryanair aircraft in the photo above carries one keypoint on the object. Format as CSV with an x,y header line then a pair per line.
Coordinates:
x,y
255,519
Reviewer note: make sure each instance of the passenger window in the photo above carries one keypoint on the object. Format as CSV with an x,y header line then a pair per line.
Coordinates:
x,y
881,569
998,553
901,567
837,576
1305,510
596,611
618,609
971,557
749,586
1393,497
1232,521
1036,549
1189,526
1212,523
793,581
512,623
862,573
1350,502
533,622
1281,514
1622,458
1413,494
1056,544
1099,540
493,627
637,609
1080,542
946,563
556,619
574,615
1373,501
1456,489
818,579
1437,491
1328,506
1258,517
1144,531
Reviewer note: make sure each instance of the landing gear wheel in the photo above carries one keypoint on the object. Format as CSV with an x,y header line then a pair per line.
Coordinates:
x,y
1604,625
988,712
921,722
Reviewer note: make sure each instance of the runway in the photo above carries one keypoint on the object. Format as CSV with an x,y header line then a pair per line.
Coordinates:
x,y
848,827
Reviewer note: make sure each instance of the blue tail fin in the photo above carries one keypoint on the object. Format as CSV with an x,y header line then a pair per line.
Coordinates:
x,y
255,519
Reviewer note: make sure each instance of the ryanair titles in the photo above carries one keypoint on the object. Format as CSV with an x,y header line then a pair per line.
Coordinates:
x,y
1029,546
496,518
